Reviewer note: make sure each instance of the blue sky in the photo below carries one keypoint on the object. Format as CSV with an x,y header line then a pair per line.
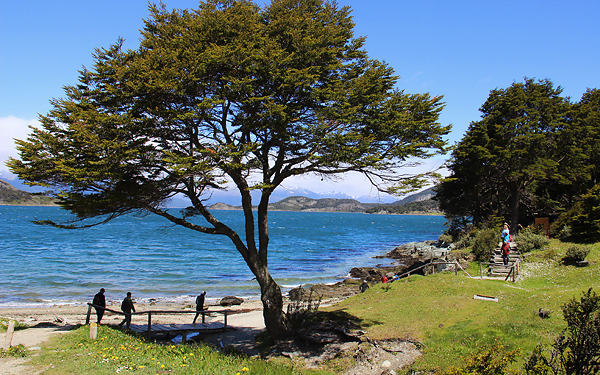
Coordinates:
x,y
459,49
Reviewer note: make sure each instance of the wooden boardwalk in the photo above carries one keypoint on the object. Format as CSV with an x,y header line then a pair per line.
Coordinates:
x,y
171,330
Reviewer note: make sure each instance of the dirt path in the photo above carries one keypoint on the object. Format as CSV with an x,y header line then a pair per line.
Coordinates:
x,y
32,338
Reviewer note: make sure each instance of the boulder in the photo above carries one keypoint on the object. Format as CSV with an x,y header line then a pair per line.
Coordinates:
x,y
231,300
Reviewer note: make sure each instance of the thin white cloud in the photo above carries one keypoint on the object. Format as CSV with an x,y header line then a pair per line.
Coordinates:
x,y
12,128
352,184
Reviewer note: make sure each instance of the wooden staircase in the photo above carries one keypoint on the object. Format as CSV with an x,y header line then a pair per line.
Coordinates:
x,y
497,269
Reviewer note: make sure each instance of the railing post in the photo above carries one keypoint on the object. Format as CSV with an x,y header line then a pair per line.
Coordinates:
x,y
149,324
87,319
9,335
225,318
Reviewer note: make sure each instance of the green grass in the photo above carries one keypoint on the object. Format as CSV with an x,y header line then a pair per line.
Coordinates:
x,y
440,311
115,351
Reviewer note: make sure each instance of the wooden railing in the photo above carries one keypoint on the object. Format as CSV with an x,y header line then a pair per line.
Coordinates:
x,y
204,313
432,264
514,270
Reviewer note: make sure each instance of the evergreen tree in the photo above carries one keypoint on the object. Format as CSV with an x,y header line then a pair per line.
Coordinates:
x,y
228,96
504,157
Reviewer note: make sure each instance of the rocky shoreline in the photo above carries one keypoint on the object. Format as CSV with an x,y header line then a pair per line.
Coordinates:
x,y
406,257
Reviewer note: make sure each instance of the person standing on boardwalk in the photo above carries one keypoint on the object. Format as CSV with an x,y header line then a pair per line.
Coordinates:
x,y
99,304
199,305
505,243
127,307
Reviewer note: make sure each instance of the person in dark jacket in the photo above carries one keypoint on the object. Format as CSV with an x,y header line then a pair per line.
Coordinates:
x,y
127,307
199,306
100,303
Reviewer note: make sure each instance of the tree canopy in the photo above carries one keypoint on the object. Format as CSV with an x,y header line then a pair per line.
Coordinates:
x,y
229,96
532,153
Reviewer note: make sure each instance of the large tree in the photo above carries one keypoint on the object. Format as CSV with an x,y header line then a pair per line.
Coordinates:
x,y
513,152
228,96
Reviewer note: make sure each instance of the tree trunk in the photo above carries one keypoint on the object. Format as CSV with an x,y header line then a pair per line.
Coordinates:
x,y
514,206
272,300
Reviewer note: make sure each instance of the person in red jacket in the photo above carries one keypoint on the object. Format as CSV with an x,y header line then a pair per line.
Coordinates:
x,y
505,243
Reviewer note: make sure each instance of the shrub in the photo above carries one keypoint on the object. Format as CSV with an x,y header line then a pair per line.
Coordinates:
x,y
303,304
561,232
464,241
584,218
576,351
485,243
576,253
445,239
528,241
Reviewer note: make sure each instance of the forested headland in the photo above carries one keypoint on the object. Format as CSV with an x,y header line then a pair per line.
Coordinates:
x,y
9,195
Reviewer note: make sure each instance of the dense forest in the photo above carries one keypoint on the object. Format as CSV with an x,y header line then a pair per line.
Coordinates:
x,y
428,206
534,153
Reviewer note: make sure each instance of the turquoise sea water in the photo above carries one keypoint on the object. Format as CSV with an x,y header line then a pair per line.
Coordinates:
x,y
153,258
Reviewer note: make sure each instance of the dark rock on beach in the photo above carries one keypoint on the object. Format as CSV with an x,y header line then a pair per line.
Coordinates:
x,y
230,301
415,251
407,257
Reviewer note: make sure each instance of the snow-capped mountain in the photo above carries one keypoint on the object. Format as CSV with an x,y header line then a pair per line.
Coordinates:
x,y
232,197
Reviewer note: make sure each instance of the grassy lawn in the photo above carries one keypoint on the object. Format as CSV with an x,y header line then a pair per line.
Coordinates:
x,y
440,312
117,352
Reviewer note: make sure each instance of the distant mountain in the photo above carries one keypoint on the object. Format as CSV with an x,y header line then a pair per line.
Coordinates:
x,y
232,197
428,206
419,203
284,199
18,184
286,192
320,205
420,196
9,195
298,203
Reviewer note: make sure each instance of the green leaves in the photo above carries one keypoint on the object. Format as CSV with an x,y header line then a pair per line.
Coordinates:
x,y
229,96
520,158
